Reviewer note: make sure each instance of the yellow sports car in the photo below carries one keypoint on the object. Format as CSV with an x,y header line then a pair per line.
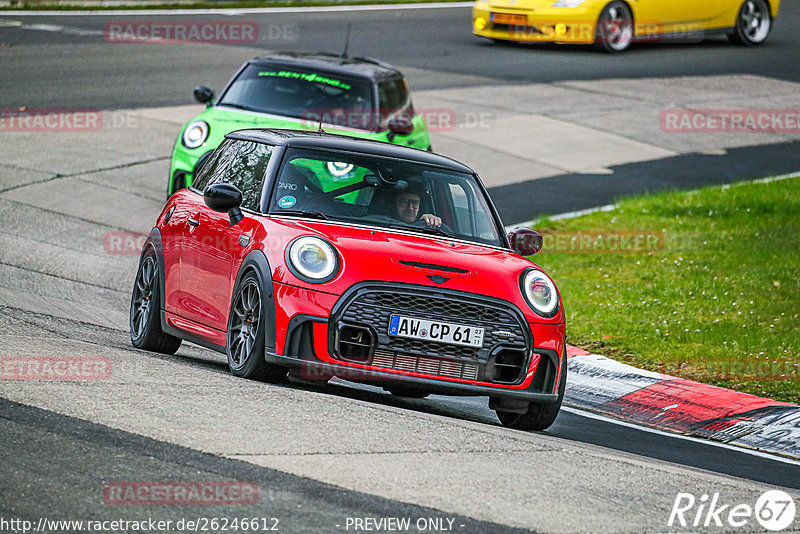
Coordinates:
x,y
613,25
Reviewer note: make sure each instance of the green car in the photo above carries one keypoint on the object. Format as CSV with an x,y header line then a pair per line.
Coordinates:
x,y
360,97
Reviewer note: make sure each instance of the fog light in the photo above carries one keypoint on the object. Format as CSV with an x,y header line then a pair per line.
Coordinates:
x,y
480,23
561,29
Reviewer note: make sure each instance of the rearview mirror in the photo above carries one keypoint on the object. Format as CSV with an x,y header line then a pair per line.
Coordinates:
x,y
524,241
225,198
204,95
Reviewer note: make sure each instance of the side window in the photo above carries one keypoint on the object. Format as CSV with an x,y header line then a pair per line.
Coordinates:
x,y
393,96
215,165
246,171
461,205
472,214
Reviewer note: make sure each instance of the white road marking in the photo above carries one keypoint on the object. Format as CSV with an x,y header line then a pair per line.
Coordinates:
x,y
43,27
77,31
66,30
752,452
768,180
241,11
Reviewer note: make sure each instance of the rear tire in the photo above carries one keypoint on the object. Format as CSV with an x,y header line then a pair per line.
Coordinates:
x,y
753,23
145,311
540,415
245,339
614,30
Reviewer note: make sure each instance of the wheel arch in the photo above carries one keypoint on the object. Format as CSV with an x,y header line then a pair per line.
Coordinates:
x,y
737,37
256,262
633,14
773,7
155,243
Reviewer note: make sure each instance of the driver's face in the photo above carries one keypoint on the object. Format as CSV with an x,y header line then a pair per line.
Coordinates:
x,y
407,205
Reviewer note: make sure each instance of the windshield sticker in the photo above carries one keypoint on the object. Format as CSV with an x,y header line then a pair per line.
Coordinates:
x,y
309,77
287,201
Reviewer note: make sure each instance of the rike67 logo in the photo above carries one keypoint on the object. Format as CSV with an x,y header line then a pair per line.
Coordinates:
x,y
774,511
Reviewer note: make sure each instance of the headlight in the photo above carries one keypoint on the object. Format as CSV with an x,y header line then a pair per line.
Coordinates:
x,y
195,134
312,259
568,3
539,292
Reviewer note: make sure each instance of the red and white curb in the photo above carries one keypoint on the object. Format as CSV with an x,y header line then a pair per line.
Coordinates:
x,y
603,385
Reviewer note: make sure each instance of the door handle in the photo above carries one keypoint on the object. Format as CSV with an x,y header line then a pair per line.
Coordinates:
x,y
193,222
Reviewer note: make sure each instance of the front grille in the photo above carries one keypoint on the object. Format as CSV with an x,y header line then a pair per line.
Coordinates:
x,y
503,325
428,366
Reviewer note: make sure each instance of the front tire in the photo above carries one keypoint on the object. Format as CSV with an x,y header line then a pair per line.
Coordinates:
x,y
540,415
614,30
245,340
753,23
145,312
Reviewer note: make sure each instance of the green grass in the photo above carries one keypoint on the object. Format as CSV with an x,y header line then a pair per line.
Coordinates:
x,y
719,303
42,5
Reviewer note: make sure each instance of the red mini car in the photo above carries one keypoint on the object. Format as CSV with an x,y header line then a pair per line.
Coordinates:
x,y
307,255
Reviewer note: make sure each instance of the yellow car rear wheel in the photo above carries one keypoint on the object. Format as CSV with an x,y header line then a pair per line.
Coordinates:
x,y
614,30
753,23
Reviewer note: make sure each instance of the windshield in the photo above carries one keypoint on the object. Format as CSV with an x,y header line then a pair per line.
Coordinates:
x,y
296,93
383,192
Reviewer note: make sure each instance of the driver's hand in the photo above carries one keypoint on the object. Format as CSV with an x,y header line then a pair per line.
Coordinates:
x,y
431,220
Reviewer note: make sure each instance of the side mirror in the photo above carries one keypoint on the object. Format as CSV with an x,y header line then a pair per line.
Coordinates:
x,y
524,241
204,95
400,125
225,198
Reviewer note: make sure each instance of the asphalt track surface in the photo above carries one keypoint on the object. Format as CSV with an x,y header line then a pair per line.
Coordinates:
x,y
67,454
97,74
56,475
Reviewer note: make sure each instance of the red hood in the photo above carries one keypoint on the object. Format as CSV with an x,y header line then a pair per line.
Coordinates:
x,y
375,254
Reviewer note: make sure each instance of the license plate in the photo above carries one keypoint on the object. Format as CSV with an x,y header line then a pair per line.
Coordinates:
x,y
455,334
508,18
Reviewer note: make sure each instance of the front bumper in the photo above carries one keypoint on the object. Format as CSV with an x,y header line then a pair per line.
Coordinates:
x,y
313,369
554,25
348,337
